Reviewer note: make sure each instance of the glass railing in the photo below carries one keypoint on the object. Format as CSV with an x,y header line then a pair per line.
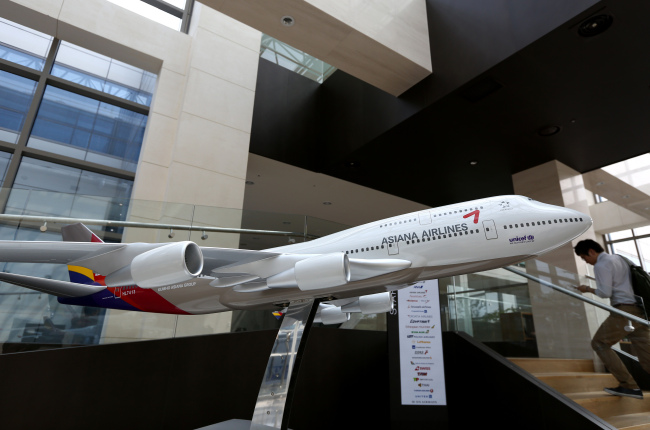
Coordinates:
x,y
30,320
521,317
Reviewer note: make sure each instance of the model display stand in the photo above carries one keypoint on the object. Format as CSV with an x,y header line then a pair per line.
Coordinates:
x,y
273,406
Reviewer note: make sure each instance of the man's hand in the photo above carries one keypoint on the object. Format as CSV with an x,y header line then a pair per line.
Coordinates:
x,y
586,289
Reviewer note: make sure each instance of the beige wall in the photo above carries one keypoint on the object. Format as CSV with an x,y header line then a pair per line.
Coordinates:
x,y
400,25
384,42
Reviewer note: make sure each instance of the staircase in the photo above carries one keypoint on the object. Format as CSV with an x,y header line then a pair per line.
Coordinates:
x,y
578,380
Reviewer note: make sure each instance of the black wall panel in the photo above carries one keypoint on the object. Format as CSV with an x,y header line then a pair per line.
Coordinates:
x,y
187,383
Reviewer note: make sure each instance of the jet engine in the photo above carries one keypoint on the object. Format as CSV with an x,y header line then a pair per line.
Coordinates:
x,y
168,264
370,304
321,271
332,315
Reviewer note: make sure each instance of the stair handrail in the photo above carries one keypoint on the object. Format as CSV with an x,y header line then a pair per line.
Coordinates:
x,y
579,296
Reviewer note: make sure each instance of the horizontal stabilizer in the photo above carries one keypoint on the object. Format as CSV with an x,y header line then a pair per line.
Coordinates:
x,y
51,252
51,286
364,269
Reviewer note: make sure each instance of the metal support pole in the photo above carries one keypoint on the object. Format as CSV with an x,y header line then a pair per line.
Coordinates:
x,y
273,406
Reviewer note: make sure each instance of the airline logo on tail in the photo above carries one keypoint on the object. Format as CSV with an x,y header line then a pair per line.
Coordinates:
x,y
81,275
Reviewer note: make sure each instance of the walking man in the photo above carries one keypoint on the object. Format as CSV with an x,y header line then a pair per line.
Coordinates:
x,y
614,281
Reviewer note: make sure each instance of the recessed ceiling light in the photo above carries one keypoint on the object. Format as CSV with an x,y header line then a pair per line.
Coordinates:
x,y
548,130
250,183
327,203
598,184
287,21
473,163
626,196
595,25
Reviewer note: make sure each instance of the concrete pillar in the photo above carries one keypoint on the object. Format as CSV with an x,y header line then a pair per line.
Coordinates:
x,y
563,325
193,162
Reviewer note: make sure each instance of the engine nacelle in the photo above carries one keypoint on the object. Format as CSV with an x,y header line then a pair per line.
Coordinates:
x,y
332,315
314,273
168,264
371,304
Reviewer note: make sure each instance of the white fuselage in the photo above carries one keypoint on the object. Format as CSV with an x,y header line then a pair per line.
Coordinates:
x,y
461,238
479,230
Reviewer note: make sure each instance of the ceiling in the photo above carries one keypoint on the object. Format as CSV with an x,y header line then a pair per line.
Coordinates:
x,y
595,90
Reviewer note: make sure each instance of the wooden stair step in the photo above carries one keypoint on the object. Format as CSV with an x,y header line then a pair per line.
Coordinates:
x,y
640,421
541,365
577,382
606,405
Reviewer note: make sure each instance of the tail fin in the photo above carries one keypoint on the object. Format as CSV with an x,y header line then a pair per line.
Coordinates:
x,y
80,233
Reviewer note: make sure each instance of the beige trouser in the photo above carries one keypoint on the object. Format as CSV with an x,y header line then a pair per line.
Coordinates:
x,y
610,332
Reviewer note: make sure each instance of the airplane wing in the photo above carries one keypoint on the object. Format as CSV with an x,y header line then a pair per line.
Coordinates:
x,y
104,258
151,265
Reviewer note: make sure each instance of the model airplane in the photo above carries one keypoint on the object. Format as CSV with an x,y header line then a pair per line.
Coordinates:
x,y
354,270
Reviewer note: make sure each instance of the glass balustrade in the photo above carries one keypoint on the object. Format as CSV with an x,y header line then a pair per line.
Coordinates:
x,y
519,317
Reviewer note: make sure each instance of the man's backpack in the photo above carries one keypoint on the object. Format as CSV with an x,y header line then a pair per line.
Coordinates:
x,y
640,284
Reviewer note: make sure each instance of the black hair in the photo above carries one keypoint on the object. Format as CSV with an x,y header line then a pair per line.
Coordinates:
x,y
583,247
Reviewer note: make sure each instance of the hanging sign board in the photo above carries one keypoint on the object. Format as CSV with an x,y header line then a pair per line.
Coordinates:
x,y
420,342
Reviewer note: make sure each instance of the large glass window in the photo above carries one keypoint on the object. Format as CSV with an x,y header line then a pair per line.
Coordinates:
x,y
634,171
45,188
103,73
633,244
170,13
80,127
23,45
16,94
31,320
294,59
5,158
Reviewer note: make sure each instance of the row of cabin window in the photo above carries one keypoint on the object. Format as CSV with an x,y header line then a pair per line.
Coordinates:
x,y
443,236
434,215
396,222
408,242
372,248
505,227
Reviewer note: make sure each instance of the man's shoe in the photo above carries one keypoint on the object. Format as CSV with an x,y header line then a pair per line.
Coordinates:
x,y
625,392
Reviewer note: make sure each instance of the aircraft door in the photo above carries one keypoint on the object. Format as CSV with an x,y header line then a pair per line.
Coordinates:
x,y
490,229
393,248
118,292
425,217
